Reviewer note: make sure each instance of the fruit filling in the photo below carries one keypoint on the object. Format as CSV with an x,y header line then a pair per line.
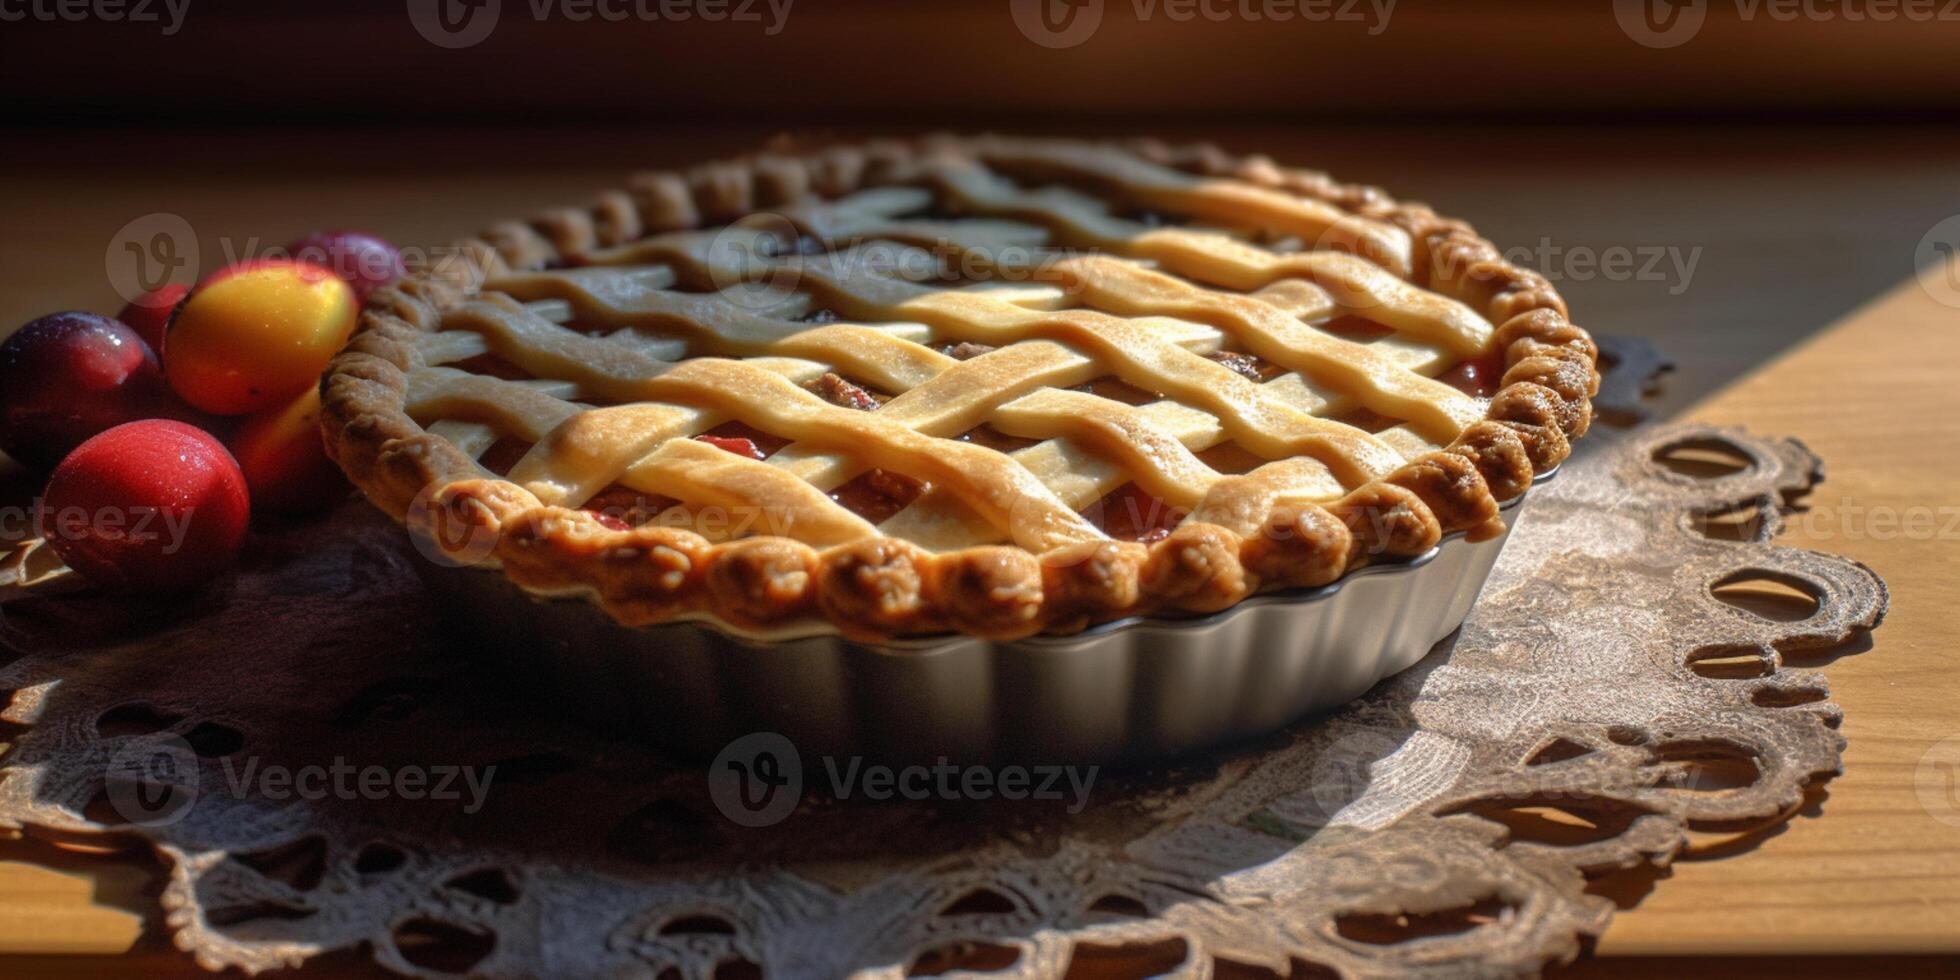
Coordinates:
x,y
504,454
1248,366
834,389
1366,419
735,444
965,350
876,495
493,366
623,508
1131,513
1478,377
743,439
1358,329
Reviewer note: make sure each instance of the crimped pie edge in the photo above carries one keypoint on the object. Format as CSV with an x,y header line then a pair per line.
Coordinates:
x,y
882,587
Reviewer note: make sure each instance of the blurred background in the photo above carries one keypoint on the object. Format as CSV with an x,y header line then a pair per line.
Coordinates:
x,y
1724,176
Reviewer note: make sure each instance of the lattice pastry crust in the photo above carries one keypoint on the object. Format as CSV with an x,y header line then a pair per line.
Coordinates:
x,y
959,384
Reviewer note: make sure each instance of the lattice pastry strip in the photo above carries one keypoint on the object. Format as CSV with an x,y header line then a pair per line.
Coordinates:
x,y
1025,413
1130,351
1186,336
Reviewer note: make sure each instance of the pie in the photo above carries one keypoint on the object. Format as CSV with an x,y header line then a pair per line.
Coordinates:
x,y
958,385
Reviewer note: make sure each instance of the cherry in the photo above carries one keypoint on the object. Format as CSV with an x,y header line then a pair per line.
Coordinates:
x,y
150,314
149,506
365,261
66,377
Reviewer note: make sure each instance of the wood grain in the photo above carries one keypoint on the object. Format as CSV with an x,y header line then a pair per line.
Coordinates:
x,y
1878,870
56,912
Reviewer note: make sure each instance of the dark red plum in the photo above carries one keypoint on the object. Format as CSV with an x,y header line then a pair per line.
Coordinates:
x,y
66,377
365,261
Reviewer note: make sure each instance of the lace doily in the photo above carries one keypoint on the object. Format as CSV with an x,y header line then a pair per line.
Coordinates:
x,y
1604,709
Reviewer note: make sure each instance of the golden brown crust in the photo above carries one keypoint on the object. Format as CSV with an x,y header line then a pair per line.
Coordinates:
x,y
1091,582
876,587
989,591
1298,547
1196,569
883,587
763,581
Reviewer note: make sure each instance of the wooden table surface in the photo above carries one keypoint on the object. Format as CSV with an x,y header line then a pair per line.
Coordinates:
x,y
1772,236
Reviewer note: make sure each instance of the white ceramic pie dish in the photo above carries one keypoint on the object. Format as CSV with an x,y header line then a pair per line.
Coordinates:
x,y
1127,690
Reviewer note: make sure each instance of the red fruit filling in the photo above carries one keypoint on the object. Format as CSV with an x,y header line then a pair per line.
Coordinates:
x,y
623,508
735,444
733,436
837,391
